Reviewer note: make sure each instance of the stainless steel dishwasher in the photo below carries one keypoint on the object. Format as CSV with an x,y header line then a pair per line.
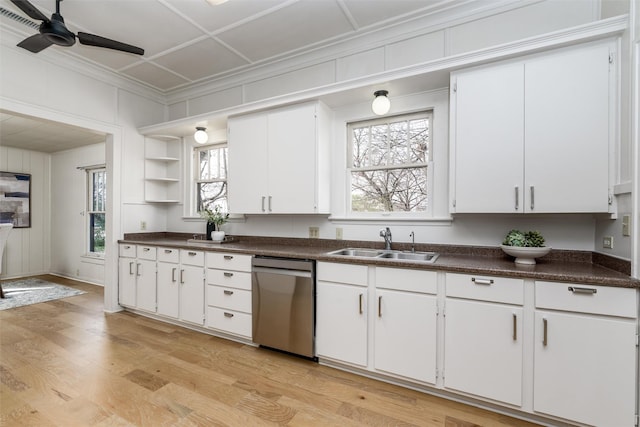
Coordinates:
x,y
283,297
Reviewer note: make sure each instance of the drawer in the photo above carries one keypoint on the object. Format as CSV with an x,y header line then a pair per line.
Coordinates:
x,y
229,321
127,251
228,261
229,298
485,288
188,257
581,298
233,279
400,279
146,252
342,273
169,255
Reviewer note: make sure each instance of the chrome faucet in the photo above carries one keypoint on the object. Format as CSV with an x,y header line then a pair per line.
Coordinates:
x,y
386,233
413,241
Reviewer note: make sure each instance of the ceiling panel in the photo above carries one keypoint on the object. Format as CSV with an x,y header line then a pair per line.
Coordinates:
x,y
155,76
369,12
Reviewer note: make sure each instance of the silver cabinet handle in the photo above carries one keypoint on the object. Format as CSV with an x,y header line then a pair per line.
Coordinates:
x,y
482,281
269,203
138,269
173,274
360,304
228,257
532,194
131,268
193,253
579,290
544,332
167,251
263,203
226,292
380,306
127,247
226,274
228,314
515,327
517,197
182,277
146,249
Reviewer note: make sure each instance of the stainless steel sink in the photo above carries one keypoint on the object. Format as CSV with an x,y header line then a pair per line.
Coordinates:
x,y
426,257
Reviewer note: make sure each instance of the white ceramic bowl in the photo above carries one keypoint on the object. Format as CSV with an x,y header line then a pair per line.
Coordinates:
x,y
526,256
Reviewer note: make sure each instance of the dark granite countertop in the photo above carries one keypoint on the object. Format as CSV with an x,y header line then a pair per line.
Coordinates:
x,y
566,266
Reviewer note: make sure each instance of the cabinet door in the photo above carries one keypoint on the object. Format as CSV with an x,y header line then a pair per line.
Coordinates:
x,y
248,164
127,282
584,370
146,285
567,132
406,321
192,294
483,350
341,328
292,159
168,289
488,132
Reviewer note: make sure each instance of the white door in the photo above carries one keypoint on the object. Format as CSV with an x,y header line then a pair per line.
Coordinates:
x,y
192,294
168,289
341,322
248,179
406,321
127,282
483,350
567,131
146,285
489,139
293,160
585,369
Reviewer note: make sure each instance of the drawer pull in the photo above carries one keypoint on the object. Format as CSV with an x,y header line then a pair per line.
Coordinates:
x,y
226,274
228,257
146,249
515,327
167,251
482,281
193,253
127,247
228,314
544,332
228,292
579,290
360,304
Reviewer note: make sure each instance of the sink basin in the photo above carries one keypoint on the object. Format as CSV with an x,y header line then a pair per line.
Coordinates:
x,y
427,257
356,252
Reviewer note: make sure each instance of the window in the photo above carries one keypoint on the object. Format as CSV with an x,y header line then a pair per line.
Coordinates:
x,y
388,164
97,204
211,177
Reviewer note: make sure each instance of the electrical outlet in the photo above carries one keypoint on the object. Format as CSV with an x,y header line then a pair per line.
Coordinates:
x,y
607,242
314,232
626,225
338,233
143,225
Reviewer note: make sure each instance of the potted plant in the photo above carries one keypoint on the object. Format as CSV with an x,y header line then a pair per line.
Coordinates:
x,y
215,218
525,246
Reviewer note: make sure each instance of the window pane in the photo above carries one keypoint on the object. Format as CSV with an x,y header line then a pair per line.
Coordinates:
x,y
96,232
359,147
213,163
99,188
419,140
393,190
210,194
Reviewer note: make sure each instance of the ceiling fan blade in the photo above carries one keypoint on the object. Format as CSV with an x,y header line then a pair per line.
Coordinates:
x,y
35,43
30,10
93,40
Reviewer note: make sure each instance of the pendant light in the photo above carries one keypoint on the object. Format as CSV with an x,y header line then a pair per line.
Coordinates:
x,y
381,104
201,135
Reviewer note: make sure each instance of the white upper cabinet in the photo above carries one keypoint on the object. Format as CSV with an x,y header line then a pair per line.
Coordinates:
x,y
534,135
278,161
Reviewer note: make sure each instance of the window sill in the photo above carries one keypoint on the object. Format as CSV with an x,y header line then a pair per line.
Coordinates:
x,y
96,259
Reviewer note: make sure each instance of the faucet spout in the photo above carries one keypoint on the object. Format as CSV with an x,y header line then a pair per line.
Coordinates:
x,y
386,233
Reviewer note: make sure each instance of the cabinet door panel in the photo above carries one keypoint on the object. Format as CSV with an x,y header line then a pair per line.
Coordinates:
x,y
489,138
146,285
127,282
405,335
567,132
341,328
585,372
168,289
481,355
192,294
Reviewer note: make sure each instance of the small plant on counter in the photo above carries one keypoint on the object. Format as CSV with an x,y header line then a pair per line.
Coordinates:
x,y
215,216
529,239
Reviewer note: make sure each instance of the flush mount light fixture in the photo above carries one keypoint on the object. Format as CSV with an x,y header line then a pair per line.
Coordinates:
x,y
216,2
201,135
381,103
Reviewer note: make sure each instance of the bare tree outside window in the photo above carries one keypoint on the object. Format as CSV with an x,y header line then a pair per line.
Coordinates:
x,y
388,164
211,178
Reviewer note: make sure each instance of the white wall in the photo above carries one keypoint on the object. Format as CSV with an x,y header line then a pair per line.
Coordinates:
x,y
28,250
68,214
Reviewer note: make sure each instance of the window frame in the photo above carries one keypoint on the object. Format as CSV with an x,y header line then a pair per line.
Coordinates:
x,y
428,113
195,175
90,212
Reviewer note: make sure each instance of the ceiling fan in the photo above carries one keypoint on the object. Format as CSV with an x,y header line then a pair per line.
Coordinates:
x,y
53,31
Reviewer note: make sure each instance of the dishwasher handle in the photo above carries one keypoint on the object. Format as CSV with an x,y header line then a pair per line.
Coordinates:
x,y
283,272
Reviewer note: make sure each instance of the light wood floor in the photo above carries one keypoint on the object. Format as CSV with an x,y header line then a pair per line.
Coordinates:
x,y
66,363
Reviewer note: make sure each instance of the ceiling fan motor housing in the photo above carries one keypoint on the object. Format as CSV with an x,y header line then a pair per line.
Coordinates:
x,y
56,32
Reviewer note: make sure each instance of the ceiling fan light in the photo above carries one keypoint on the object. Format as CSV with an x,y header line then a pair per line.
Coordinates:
x,y
201,135
381,104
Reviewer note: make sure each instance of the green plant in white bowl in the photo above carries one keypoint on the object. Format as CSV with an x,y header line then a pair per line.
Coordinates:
x,y
525,246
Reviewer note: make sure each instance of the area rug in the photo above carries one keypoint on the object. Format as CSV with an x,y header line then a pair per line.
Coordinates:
x,y
32,291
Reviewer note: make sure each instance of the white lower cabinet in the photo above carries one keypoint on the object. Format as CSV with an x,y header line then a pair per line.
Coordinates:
x,y
168,282
585,363
137,277
192,286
